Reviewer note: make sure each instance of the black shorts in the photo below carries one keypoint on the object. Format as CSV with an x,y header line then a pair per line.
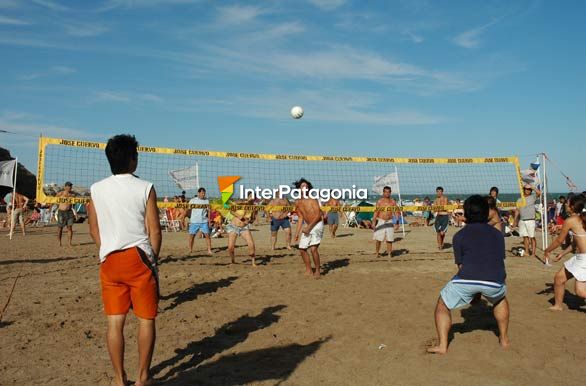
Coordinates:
x,y
441,223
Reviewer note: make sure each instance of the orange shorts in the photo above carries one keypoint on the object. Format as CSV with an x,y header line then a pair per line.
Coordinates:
x,y
129,281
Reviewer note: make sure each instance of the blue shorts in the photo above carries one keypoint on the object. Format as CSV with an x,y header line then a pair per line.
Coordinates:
x,y
196,227
231,228
333,218
276,224
459,292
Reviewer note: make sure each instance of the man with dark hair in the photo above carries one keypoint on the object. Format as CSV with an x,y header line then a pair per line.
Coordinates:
x,y
383,227
65,215
124,223
310,227
494,192
442,218
199,221
479,251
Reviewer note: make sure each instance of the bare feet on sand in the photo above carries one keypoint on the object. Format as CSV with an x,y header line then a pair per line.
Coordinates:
x,y
317,274
556,308
120,382
437,350
505,343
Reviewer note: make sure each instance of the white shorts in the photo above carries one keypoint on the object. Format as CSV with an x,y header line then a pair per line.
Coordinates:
x,y
384,229
577,266
527,228
313,238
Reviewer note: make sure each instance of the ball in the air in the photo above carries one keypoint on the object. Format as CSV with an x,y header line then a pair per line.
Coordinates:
x,y
296,112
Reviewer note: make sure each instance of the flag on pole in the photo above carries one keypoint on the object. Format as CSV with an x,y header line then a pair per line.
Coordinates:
x,y
529,176
7,173
187,178
391,179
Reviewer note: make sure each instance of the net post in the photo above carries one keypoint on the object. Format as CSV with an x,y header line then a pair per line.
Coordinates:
x,y
41,169
517,164
546,220
13,196
401,201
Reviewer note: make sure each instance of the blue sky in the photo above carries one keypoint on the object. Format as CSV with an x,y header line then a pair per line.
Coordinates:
x,y
385,78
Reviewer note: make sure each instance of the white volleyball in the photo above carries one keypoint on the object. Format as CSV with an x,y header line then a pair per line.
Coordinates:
x,y
296,112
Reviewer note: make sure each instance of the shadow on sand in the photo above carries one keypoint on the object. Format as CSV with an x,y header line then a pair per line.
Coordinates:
x,y
184,365
196,290
476,317
574,302
274,364
334,264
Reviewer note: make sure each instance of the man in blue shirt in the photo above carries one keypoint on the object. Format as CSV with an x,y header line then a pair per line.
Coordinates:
x,y
479,251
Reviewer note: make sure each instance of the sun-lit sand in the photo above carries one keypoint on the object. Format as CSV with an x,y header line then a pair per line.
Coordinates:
x,y
367,322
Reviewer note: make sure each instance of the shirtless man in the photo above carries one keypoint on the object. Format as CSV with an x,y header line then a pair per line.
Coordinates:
x,y
279,219
17,214
442,219
65,215
333,217
310,227
383,223
240,226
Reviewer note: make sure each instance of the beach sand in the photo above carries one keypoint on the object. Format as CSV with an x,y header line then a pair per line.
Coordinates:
x,y
368,321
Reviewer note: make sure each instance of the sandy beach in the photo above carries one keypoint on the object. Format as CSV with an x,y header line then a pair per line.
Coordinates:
x,y
368,321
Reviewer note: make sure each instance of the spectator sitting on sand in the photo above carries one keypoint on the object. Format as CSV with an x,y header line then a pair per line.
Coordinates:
x,y
479,251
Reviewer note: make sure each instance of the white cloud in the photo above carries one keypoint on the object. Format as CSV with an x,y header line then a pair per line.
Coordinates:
x,y
32,125
10,3
129,4
333,63
31,76
151,98
271,33
29,42
471,38
324,105
334,106
55,70
124,97
327,5
63,70
413,37
110,96
52,5
79,29
11,21
238,14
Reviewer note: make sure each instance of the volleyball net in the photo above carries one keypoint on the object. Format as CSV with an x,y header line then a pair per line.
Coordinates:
x,y
230,176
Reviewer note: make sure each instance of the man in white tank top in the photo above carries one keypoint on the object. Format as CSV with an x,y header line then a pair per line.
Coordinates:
x,y
124,223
